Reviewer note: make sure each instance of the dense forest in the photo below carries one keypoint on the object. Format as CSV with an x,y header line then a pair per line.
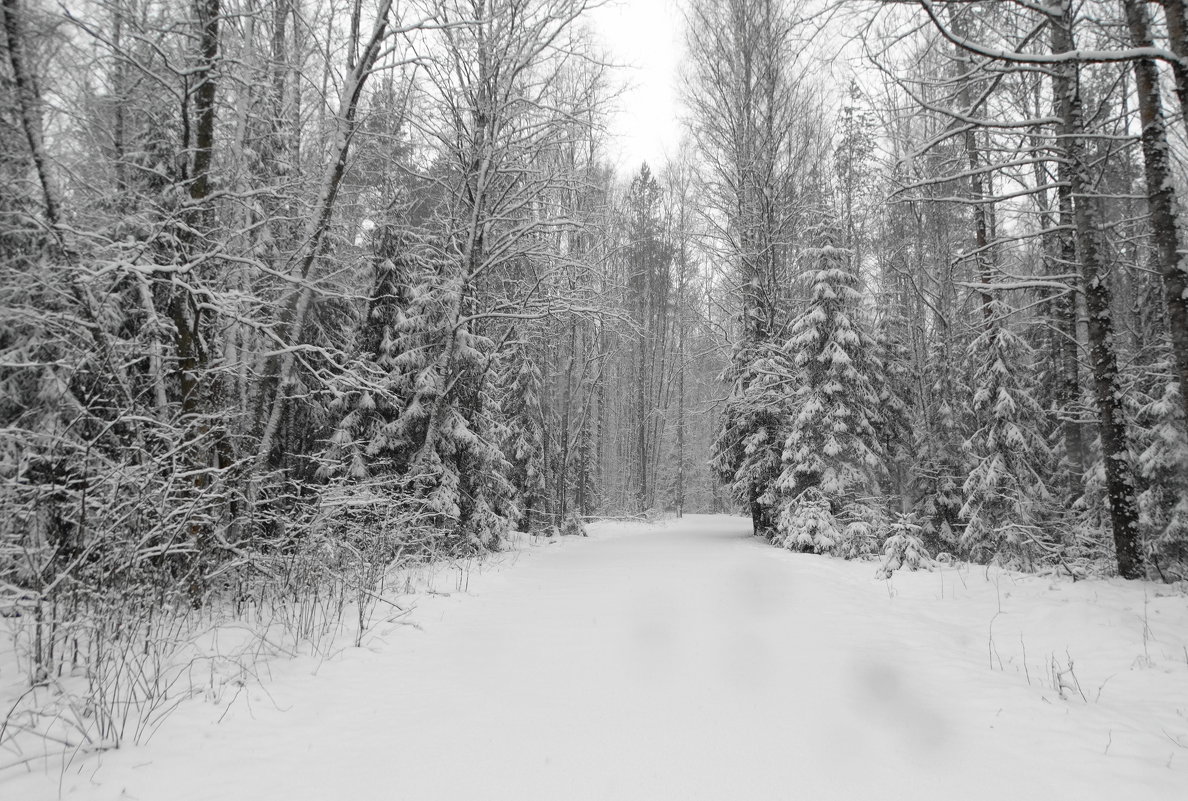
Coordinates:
x,y
293,291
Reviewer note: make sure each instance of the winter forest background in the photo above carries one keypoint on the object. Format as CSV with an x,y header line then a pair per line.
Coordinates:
x,y
294,291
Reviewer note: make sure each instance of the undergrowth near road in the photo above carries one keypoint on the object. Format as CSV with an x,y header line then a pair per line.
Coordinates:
x,y
87,666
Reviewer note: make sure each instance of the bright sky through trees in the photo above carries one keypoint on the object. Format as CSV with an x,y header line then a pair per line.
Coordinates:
x,y
645,36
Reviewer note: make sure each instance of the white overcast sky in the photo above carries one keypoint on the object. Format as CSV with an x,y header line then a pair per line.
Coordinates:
x,y
646,36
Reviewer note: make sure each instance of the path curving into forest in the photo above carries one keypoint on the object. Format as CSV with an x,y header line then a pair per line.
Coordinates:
x,y
688,661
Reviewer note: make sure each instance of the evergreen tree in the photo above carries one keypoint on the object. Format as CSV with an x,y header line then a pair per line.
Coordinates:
x,y
367,401
649,300
832,446
893,376
941,465
1006,495
524,437
459,470
588,495
747,450
903,548
1163,469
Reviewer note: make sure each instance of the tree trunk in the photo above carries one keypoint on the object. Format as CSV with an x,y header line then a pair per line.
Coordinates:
x,y
1103,362
983,253
680,425
1059,252
185,313
30,105
119,86
758,528
562,499
204,98
1177,35
641,430
1161,193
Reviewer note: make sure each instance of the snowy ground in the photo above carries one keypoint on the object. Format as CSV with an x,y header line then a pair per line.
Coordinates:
x,y
690,661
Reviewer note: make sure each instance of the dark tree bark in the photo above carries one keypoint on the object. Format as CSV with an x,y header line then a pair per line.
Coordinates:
x,y
680,427
1068,389
204,98
1106,387
641,434
185,313
1161,192
562,495
978,177
30,104
758,524
1177,34
119,81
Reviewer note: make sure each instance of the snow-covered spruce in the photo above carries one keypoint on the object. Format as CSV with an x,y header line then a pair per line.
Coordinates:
x,y
1007,509
747,452
523,433
831,447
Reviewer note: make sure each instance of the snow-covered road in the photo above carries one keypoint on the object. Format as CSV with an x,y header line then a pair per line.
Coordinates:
x,y
687,661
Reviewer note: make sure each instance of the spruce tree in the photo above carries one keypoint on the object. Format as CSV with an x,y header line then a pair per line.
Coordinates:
x,y
459,471
893,377
1007,501
524,431
368,400
1163,470
832,461
903,548
748,447
941,464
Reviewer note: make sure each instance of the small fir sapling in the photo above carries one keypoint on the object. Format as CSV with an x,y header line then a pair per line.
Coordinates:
x,y
573,527
806,523
860,536
904,548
